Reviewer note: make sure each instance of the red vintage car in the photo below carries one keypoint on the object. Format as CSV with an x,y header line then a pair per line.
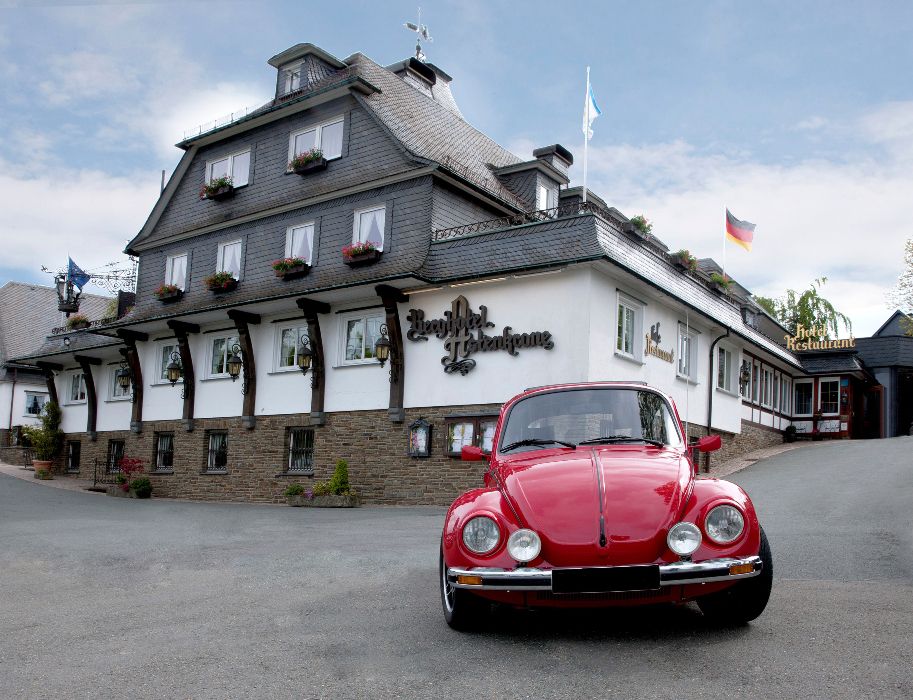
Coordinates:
x,y
591,498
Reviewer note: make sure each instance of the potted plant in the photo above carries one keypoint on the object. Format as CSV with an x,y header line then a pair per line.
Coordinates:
x,y
310,161
642,225
125,485
77,322
218,188
290,268
721,282
357,254
334,493
141,487
221,282
168,293
684,260
45,440
789,434
296,495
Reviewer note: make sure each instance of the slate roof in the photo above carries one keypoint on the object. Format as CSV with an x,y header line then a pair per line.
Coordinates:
x,y
28,313
831,363
886,351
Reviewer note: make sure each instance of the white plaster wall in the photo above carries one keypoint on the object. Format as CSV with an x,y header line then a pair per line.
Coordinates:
x,y
113,414
6,392
74,414
553,302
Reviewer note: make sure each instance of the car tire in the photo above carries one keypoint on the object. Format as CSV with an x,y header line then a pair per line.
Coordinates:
x,y
463,611
745,600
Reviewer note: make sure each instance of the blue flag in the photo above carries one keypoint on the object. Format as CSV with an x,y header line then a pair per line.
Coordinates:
x,y
76,275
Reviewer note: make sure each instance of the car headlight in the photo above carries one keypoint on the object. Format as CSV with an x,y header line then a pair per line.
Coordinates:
x,y
724,524
684,538
481,534
524,545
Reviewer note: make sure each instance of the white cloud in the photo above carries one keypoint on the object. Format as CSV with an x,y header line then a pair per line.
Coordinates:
x,y
846,221
814,123
84,75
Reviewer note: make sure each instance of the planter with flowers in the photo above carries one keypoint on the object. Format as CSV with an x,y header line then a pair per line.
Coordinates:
x,y
684,260
218,189
722,283
290,268
311,161
334,493
168,293
358,254
77,322
221,282
641,225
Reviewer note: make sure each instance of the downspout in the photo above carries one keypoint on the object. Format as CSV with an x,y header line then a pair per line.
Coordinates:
x,y
710,387
12,396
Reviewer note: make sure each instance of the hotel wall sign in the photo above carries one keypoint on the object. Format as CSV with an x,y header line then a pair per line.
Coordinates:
x,y
815,338
463,333
651,345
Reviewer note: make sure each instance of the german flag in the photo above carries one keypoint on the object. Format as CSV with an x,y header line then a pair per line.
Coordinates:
x,y
739,232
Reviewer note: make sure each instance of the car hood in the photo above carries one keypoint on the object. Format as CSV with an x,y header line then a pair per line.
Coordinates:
x,y
557,494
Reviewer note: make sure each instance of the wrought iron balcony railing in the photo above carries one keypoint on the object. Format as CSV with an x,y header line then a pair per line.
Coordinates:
x,y
530,217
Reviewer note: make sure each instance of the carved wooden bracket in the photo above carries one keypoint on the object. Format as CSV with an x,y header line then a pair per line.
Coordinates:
x,y
311,308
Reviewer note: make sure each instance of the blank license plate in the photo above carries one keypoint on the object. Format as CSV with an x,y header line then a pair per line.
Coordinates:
x,y
605,579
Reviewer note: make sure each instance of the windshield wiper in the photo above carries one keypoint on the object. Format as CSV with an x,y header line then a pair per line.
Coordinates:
x,y
538,442
612,439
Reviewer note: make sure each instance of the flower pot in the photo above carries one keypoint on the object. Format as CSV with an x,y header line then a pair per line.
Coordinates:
x,y
293,272
78,326
224,288
43,464
331,501
170,297
721,288
218,195
681,264
297,501
315,166
118,492
362,259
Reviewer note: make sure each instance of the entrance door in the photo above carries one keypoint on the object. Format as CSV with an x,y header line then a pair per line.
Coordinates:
x,y
872,412
903,402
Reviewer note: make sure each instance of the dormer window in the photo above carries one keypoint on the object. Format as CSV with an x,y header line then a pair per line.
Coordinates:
x,y
546,197
326,137
292,78
236,166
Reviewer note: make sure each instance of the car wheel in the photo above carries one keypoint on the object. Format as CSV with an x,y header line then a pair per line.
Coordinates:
x,y
462,610
745,600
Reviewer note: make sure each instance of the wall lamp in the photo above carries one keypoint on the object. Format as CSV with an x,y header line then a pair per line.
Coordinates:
x,y
234,364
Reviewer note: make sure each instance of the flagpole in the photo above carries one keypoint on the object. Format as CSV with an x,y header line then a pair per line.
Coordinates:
x,y
586,135
724,245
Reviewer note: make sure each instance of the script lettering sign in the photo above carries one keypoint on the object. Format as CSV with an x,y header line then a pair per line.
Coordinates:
x,y
463,333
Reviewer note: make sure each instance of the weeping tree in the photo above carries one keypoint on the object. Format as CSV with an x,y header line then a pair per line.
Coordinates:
x,y
902,294
807,308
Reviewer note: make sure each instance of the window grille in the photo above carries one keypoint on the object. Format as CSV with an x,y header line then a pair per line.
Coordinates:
x,y
301,450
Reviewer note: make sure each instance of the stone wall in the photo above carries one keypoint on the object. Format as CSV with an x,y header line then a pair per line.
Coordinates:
x,y
375,448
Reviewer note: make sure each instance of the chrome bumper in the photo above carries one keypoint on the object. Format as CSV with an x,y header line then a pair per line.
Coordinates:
x,y
677,574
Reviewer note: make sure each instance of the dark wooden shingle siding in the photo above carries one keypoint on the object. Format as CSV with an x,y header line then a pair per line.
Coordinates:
x,y
407,237
368,153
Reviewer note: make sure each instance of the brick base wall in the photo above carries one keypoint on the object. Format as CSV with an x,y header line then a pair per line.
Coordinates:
x,y
753,437
374,446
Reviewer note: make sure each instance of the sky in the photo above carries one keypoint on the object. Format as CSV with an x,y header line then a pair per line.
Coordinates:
x,y
798,117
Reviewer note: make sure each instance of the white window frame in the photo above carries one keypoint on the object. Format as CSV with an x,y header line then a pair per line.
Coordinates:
x,y
755,382
235,181
796,383
729,378
691,335
546,197
637,308
786,387
169,270
318,137
289,232
767,380
821,381
212,338
344,319
115,387
220,254
356,221
287,72
277,353
160,366
776,390
42,396
71,376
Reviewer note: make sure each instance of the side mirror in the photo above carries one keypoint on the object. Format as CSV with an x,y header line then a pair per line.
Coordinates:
x,y
471,453
710,443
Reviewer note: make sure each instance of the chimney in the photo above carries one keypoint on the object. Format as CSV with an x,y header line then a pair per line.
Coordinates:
x,y
557,156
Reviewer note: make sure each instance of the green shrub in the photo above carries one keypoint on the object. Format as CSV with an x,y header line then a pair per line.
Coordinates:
x,y
46,440
339,482
141,486
294,490
120,479
322,488
789,435
43,474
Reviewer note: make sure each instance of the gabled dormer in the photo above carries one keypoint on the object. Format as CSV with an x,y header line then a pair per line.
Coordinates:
x,y
537,182
301,67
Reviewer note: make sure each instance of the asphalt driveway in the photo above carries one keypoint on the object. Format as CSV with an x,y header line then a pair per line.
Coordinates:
x,y
104,597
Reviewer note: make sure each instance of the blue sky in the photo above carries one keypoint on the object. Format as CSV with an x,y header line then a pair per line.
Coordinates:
x,y
798,116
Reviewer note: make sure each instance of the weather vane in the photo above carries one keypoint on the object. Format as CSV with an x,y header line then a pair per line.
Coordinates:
x,y
421,31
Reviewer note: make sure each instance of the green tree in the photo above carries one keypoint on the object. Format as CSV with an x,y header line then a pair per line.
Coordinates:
x,y
902,294
807,308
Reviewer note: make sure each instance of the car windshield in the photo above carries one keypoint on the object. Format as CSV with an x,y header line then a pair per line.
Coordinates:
x,y
588,417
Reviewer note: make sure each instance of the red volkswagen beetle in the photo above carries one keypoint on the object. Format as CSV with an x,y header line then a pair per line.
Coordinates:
x,y
591,499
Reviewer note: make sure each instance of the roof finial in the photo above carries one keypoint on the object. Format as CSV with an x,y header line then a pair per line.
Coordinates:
x,y
421,31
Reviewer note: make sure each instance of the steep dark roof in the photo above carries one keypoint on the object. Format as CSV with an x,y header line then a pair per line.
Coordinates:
x,y
893,325
28,313
831,363
886,351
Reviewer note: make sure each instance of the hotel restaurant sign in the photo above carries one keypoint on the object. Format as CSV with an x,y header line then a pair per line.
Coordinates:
x,y
815,338
463,333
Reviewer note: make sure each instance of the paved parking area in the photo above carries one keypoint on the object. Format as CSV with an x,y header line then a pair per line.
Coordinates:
x,y
103,597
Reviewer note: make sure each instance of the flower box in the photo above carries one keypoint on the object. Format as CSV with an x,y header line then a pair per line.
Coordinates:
x,y
293,273
78,325
168,296
328,501
222,193
360,259
221,282
229,286
313,166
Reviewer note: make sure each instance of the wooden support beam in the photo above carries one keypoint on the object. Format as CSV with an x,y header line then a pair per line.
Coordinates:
x,y
181,330
131,356
86,364
311,310
183,327
49,368
391,296
248,365
248,318
128,336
